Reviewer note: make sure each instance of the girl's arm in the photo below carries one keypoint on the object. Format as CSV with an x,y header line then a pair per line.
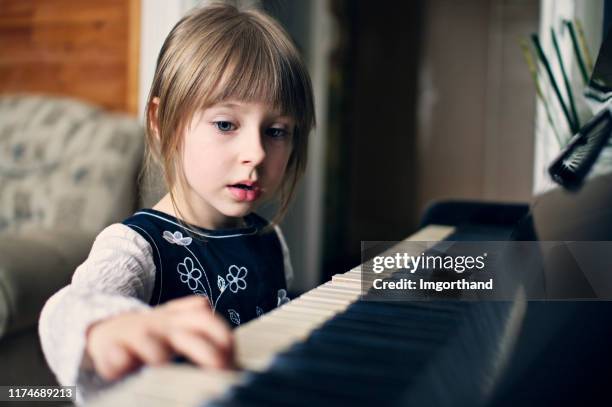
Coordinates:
x,y
101,324
118,276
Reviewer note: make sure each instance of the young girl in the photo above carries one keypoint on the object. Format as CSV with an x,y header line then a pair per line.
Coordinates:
x,y
228,119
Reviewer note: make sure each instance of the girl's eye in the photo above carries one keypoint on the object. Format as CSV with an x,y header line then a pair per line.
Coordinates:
x,y
276,132
225,126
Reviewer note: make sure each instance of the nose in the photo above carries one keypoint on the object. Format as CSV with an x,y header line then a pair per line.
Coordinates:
x,y
252,151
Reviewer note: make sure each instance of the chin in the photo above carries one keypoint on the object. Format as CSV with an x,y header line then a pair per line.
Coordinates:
x,y
238,211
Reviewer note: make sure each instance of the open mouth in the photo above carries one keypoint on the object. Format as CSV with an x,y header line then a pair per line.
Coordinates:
x,y
244,192
245,187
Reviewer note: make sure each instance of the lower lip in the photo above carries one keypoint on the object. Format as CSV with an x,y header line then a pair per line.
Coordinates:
x,y
244,195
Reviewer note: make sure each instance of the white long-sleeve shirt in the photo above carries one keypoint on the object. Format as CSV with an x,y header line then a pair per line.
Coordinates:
x,y
118,276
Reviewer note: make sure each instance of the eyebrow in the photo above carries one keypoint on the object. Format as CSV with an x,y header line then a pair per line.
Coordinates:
x,y
239,106
227,104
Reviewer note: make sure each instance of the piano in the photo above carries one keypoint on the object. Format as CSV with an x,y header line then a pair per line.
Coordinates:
x,y
331,347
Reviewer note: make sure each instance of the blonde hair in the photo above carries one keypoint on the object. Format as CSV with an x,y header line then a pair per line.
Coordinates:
x,y
216,53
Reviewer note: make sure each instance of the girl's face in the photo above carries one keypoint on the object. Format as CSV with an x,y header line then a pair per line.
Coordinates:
x,y
234,158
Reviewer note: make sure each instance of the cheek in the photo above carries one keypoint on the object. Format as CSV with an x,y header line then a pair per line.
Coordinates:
x,y
277,163
190,161
199,164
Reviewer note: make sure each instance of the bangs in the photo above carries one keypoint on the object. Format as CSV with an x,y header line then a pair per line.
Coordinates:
x,y
253,70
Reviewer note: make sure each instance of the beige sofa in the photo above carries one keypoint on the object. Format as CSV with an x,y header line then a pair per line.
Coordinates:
x,y
67,169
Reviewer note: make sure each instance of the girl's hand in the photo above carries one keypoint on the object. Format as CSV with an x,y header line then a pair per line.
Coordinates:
x,y
184,326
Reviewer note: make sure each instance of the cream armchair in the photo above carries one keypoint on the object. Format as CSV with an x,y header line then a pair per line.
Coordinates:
x,y
67,169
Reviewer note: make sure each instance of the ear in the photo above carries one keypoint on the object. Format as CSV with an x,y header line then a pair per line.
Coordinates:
x,y
152,116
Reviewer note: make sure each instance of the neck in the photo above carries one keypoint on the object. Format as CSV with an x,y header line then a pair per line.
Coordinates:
x,y
190,215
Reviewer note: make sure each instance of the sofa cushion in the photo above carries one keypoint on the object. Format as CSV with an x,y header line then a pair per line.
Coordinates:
x,y
33,266
65,164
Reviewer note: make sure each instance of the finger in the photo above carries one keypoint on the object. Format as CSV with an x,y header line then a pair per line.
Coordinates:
x,y
191,302
198,350
114,362
210,326
149,348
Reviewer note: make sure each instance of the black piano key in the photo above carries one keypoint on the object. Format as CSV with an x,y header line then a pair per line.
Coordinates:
x,y
399,331
373,343
325,351
283,390
301,364
396,313
324,390
405,318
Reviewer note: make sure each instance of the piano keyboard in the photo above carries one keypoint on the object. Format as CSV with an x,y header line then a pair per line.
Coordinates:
x,y
334,305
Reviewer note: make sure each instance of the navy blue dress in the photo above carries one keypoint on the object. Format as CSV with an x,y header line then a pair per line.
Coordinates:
x,y
240,271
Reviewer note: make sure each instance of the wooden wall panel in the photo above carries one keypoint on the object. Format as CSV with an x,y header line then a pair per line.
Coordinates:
x,y
86,49
476,102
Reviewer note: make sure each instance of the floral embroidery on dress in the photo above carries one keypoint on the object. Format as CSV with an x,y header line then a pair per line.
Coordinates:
x,y
221,283
258,311
177,238
235,277
282,297
234,316
190,275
